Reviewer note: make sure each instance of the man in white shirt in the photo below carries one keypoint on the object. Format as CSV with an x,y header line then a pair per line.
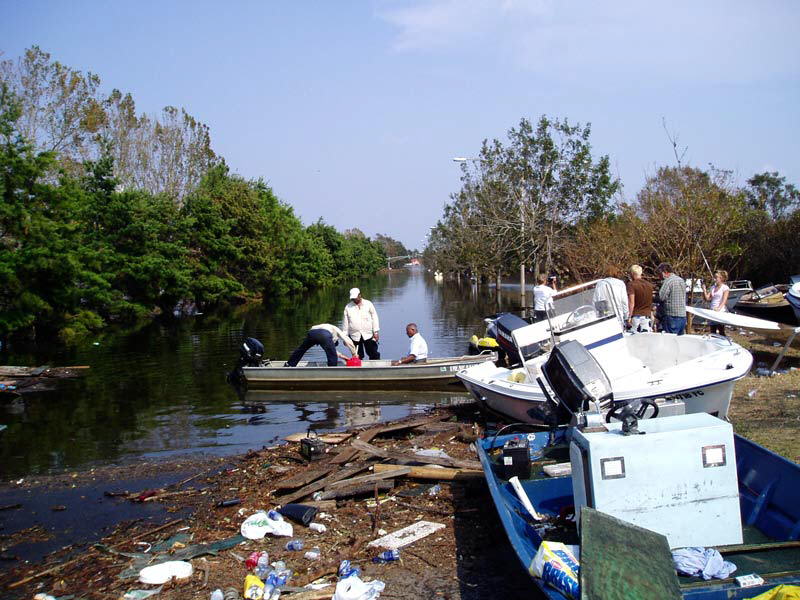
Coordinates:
x,y
327,336
417,348
361,324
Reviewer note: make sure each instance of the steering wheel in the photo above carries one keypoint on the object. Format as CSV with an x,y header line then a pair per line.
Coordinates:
x,y
580,314
639,411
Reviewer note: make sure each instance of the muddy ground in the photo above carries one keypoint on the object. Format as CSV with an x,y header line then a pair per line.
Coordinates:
x,y
469,558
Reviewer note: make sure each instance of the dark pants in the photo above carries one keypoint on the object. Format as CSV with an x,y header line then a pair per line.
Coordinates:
x,y
370,346
673,324
539,315
717,328
316,337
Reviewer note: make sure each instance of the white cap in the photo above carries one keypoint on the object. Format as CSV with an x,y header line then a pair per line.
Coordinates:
x,y
354,293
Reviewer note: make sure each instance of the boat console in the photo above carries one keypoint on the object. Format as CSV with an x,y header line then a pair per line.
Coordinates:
x,y
675,475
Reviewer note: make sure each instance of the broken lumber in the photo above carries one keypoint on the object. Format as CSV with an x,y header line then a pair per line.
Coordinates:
x,y
318,485
399,455
362,488
434,473
398,471
302,479
328,438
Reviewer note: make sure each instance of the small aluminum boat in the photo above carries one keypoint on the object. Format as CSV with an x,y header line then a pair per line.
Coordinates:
x,y
433,373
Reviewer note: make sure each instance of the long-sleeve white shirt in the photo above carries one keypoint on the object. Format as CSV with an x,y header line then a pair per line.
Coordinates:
x,y
418,346
360,320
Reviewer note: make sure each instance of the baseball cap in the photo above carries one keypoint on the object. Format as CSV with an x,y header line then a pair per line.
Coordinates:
x,y
354,293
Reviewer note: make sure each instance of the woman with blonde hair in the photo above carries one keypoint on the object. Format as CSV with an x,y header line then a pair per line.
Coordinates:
x,y
718,297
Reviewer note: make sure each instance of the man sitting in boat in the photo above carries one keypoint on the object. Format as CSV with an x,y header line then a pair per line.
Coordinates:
x,y
417,349
327,336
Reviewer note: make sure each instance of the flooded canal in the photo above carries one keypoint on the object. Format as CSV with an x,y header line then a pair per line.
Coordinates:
x,y
161,390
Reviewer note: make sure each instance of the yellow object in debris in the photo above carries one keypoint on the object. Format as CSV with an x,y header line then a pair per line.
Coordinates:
x,y
253,588
781,592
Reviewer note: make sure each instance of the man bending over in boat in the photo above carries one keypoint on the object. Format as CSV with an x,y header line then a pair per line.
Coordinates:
x,y
417,349
327,336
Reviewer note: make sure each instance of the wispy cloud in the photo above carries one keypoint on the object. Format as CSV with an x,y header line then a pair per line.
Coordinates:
x,y
725,41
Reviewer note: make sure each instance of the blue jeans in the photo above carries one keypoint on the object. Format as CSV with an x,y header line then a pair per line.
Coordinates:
x,y
316,337
673,325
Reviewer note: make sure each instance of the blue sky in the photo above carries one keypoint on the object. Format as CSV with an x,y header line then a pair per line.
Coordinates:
x,y
352,110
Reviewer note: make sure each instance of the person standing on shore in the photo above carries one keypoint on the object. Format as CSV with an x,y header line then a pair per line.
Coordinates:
x,y
718,297
361,324
672,297
543,296
417,347
640,301
327,336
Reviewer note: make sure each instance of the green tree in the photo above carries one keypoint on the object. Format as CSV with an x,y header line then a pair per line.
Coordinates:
x,y
769,192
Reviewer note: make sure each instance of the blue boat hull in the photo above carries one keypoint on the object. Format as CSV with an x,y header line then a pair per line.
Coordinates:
x,y
769,495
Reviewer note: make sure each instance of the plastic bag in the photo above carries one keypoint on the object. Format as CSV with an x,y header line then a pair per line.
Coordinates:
x,y
259,524
353,588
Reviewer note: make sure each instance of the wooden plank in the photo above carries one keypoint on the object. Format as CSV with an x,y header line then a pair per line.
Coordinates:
x,y
304,478
399,455
349,453
318,485
354,490
377,476
435,474
328,438
44,371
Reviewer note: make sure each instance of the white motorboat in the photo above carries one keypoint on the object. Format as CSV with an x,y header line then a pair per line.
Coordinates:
x,y
688,373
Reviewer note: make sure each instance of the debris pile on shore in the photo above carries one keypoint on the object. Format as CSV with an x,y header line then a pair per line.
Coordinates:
x,y
413,485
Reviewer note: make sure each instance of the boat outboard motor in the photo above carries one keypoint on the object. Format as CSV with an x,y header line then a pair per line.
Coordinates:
x,y
251,353
577,380
505,325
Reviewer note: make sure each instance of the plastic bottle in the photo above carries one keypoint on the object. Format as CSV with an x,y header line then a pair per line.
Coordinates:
x,y
231,502
435,490
274,515
217,595
231,594
388,556
294,545
263,566
347,570
313,554
252,561
318,527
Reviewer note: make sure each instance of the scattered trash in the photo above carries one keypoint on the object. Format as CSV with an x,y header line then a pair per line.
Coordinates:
x,y
387,556
763,372
43,597
432,453
777,344
253,588
217,595
313,554
751,394
256,561
299,513
434,490
231,594
407,535
259,524
318,527
347,570
164,572
140,594
353,588
226,503
294,545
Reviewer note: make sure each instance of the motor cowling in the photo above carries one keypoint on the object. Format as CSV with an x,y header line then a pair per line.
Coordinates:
x,y
251,353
